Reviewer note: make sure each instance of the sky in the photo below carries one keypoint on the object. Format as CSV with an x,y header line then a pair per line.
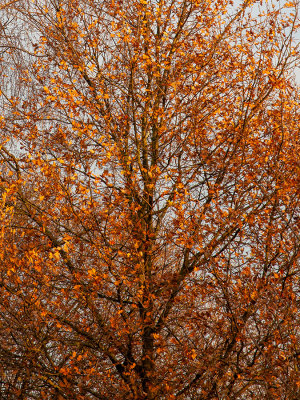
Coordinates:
x,y
297,72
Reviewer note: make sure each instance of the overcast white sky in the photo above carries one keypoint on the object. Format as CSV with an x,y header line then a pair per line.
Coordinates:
x,y
298,75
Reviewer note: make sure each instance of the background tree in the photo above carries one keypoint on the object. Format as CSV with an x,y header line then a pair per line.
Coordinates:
x,y
150,200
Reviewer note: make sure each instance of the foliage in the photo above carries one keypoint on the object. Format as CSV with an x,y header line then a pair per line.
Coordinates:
x,y
150,200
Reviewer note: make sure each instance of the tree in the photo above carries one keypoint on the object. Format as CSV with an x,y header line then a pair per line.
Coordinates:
x,y
150,200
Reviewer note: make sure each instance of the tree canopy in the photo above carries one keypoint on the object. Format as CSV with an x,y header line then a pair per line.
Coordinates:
x,y
150,200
